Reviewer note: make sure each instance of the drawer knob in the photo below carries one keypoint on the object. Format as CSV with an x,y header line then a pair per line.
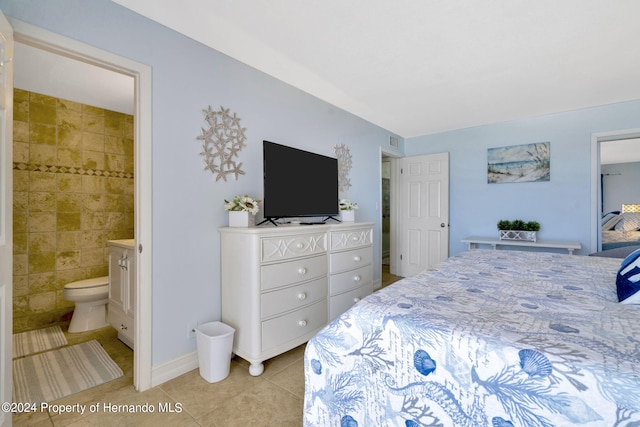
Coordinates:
x,y
356,299
356,278
302,296
357,258
299,245
302,323
354,238
302,270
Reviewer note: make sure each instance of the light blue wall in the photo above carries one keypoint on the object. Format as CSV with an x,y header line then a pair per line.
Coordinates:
x,y
562,205
187,202
622,185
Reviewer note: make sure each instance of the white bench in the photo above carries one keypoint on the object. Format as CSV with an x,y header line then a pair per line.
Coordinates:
x,y
474,241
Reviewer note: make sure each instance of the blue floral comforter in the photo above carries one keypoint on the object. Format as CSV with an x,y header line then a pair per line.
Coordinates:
x,y
490,338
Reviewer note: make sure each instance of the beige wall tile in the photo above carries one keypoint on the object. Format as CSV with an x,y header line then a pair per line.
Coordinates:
x,y
40,154
42,282
92,123
69,202
92,184
20,201
91,257
61,195
42,302
68,240
69,183
70,157
42,181
42,113
68,221
65,104
93,239
42,221
39,98
69,119
93,202
67,260
20,222
20,264
20,243
41,262
20,131
42,134
93,160
69,138
42,201
20,285
21,180
21,110
42,242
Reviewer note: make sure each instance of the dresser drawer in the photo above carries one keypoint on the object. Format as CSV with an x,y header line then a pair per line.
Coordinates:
x,y
280,330
286,247
276,302
341,303
342,282
290,272
348,239
341,261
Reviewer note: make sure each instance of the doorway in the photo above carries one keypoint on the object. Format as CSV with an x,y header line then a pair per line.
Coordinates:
x,y
141,75
615,170
388,215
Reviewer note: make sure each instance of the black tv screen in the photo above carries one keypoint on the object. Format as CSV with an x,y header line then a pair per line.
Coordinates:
x,y
298,183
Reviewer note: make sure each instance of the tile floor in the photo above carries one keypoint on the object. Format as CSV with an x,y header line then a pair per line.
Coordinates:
x,y
273,399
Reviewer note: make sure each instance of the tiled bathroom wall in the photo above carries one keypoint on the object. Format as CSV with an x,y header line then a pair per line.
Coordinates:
x,y
73,191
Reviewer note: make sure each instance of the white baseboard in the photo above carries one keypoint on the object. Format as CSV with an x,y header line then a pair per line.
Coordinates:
x,y
174,368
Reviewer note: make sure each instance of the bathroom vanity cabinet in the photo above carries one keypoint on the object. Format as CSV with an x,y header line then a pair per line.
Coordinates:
x,y
122,288
281,285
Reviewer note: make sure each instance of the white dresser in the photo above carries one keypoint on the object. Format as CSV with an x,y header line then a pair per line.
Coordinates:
x,y
122,288
280,285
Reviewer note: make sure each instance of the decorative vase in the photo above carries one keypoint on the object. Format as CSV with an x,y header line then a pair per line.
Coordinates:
x,y
241,219
518,235
347,216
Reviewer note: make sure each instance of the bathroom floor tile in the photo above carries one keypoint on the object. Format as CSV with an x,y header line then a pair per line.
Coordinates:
x,y
274,398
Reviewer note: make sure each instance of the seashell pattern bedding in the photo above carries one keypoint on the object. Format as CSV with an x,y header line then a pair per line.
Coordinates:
x,y
490,338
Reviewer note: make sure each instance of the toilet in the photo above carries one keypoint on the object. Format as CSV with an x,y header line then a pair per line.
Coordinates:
x,y
91,297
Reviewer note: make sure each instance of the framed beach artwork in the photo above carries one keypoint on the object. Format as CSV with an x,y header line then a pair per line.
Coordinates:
x,y
519,163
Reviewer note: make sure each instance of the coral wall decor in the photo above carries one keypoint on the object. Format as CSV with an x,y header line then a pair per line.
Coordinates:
x,y
344,166
222,140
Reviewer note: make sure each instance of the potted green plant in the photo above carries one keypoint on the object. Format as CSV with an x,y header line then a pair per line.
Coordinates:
x,y
518,229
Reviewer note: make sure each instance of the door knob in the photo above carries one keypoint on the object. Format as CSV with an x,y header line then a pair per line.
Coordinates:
x,y
442,224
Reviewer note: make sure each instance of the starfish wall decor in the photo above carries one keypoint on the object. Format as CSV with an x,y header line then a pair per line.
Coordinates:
x,y
344,166
222,141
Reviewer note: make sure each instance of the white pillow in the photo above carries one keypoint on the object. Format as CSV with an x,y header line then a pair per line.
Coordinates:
x,y
629,222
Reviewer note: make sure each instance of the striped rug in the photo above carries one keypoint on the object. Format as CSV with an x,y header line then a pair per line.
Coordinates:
x,y
54,374
31,342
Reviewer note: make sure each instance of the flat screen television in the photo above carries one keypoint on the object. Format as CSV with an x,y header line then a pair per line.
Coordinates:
x,y
298,183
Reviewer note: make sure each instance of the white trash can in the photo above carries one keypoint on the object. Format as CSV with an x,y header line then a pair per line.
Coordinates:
x,y
214,341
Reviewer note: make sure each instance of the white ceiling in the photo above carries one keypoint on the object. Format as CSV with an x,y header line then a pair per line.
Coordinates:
x,y
417,67
43,72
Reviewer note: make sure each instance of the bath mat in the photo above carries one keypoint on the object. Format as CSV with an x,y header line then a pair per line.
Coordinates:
x,y
31,342
54,374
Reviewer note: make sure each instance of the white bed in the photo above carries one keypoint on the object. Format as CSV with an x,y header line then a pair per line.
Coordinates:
x,y
490,338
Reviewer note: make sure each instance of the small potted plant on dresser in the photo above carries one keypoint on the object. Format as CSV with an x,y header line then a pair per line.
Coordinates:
x,y
242,211
518,230
347,210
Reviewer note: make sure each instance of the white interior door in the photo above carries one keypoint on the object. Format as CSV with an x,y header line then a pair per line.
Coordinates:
x,y
6,211
424,237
